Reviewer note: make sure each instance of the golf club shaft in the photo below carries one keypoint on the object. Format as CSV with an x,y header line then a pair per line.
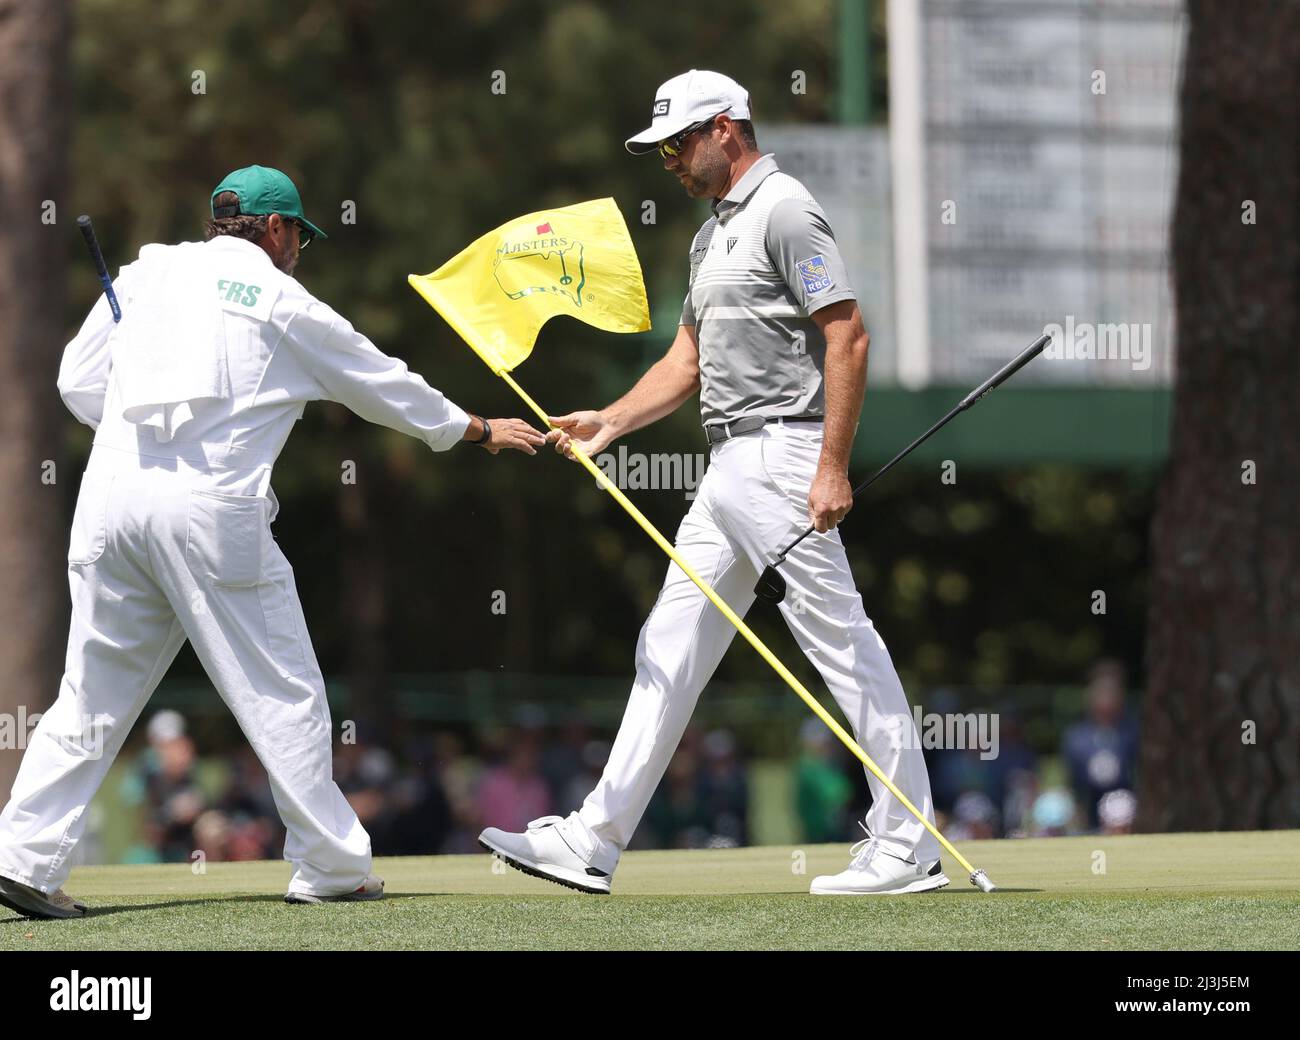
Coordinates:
x,y
92,243
997,379
1006,371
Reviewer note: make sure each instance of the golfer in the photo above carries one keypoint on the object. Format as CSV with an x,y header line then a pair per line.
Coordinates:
x,y
772,339
192,397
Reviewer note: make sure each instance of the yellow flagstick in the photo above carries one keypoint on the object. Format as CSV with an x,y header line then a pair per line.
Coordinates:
x,y
978,878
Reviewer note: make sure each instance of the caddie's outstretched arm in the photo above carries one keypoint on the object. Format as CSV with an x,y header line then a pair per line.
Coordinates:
x,y
355,373
662,390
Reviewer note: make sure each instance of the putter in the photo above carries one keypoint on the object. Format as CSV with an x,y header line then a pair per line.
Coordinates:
x,y
771,583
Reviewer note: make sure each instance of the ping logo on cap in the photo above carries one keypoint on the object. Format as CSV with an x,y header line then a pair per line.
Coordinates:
x,y
660,107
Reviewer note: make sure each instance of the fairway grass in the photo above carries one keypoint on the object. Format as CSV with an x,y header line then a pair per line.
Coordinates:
x,y
1226,891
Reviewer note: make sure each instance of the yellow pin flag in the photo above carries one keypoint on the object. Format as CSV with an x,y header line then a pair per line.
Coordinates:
x,y
579,260
576,260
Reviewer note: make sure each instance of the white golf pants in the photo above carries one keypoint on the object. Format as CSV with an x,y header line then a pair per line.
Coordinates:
x,y
752,502
157,558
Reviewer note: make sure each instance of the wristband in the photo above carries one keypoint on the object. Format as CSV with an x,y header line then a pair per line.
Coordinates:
x,y
487,433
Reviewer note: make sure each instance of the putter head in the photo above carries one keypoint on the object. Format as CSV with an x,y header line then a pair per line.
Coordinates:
x,y
771,586
982,881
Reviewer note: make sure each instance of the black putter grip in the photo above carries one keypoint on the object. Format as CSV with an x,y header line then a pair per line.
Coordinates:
x,y
97,257
1008,370
997,379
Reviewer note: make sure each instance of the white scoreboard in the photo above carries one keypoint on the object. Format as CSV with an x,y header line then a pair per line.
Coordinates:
x,y
1027,177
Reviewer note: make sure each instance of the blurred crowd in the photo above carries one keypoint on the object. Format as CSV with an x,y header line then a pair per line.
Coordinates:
x,y
434,793
1086,787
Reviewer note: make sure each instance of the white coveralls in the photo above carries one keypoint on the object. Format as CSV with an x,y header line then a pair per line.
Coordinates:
x,y
171,539
760,267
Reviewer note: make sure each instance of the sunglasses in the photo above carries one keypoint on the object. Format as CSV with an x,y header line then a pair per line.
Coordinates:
x,y
671,147
305,234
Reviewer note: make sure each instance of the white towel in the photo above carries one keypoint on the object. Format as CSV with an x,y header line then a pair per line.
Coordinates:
x,y
169,351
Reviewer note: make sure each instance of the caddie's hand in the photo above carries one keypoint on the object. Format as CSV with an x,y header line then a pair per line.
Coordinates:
x,y
589,431
829,499
516,434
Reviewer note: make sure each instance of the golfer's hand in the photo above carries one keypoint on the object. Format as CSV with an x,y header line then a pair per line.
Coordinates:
x,y
829,499
516,434
588,431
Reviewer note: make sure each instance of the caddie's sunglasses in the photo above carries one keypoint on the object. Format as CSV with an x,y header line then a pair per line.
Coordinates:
x,y
305,234
671,147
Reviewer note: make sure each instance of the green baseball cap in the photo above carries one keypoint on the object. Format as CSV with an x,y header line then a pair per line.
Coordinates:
x,y
261,191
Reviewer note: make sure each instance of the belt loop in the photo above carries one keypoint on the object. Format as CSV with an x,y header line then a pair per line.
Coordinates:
x,y
726,428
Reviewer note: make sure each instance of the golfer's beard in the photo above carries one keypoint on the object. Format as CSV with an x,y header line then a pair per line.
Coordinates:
x,y
287,262
695,188
705,177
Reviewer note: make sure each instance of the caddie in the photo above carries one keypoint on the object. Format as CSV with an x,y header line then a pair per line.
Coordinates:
x,y
192,396
772,338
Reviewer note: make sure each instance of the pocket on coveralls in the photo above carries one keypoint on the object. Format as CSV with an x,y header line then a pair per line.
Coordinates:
x,y
224,538
283,638
90,519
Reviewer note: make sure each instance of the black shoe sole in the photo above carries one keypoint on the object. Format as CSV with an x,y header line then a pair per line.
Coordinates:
x,y
523,868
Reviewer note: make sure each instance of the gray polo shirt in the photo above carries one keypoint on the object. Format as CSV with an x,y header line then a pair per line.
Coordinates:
x,y
761,266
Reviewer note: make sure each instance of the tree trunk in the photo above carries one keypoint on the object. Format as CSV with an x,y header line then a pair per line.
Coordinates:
x,y
33,530
1221,726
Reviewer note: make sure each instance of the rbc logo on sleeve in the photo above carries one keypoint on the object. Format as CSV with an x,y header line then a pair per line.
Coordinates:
x,y
814,275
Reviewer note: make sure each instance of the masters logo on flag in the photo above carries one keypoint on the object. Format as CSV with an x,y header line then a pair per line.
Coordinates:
x,y
576,260
539,262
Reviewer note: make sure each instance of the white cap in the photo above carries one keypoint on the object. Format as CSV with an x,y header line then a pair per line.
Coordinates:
x,y
166,725
686,100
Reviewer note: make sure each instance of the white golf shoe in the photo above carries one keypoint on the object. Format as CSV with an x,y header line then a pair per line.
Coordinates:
x,y
875,871
554,848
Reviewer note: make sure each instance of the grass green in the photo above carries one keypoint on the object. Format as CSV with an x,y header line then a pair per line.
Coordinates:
x,y
1181,891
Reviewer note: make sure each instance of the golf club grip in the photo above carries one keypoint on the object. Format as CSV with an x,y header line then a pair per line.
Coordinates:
x,y
1008,370
97,257
1001,376
997,379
